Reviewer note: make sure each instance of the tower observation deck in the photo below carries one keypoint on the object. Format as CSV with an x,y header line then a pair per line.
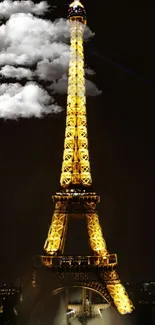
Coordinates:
x,y
76,197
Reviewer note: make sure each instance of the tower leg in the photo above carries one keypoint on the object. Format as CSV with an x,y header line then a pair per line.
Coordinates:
x,y
55,239
97,242
83,300
90,301
118,292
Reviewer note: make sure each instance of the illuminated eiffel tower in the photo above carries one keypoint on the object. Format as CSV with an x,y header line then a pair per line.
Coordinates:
x,y
76,197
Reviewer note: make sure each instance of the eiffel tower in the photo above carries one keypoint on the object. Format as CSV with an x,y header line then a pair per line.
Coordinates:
x,y
76,197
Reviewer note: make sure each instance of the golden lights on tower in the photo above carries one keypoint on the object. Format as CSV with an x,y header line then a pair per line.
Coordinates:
x,y
76,166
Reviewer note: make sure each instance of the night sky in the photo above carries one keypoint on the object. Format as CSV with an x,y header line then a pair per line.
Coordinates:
x,y
121,143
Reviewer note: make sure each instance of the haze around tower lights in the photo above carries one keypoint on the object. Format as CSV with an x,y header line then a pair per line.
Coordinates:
x,y
34,58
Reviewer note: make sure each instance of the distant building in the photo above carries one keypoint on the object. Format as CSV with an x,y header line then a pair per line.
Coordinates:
x,y
10,296
143,296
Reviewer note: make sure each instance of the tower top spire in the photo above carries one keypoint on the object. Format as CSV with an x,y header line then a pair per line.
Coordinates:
x,y
76,3
76,12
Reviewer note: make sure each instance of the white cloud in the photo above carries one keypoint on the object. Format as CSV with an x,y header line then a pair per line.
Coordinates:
x,y
35,40
8,7
89,71
18,73
27,41
60,87
30,100
91,89
54,70
88,33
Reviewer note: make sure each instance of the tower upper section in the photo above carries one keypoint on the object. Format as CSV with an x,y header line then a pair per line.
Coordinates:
x,y
76,165
77,12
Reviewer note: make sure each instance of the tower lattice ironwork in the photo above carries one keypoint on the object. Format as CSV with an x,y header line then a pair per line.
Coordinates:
x,y
76,197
